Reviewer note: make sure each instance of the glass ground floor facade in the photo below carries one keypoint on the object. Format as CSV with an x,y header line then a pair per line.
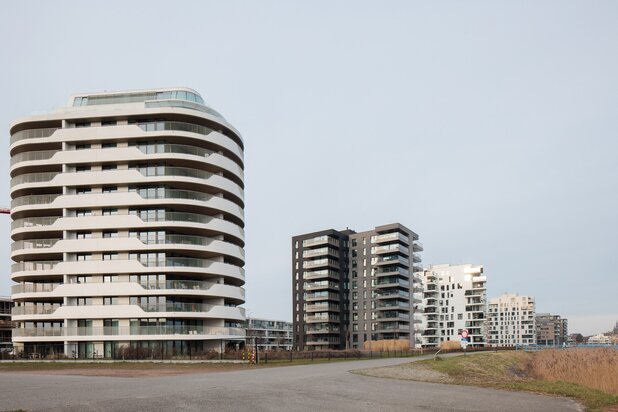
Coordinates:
x,y
128,350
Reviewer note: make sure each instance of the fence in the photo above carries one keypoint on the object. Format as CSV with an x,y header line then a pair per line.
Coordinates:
x,y
249,354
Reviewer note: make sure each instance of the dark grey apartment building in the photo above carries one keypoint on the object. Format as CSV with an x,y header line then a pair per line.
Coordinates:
x,y
351,287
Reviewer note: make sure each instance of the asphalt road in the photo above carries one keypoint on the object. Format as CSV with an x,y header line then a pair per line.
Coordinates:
x,y
322,387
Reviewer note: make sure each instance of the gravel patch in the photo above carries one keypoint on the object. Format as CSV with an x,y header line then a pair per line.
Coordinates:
x,y
407,371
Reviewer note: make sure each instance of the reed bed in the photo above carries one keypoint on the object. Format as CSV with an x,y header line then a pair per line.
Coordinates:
x,y
595,368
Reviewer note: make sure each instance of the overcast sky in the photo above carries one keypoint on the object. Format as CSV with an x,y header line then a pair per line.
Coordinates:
x,y
489,128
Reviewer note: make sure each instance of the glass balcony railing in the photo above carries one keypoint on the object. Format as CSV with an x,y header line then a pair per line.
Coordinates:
x,y
389,249
175,217
388,237
32,134
167,284
173,171
128,330
34,222
319,274
320,262
321,285
33,178
175,126
34,310
33,200
177,307
34,287
184,105
165,193
32,156
34,265
33,244
156,148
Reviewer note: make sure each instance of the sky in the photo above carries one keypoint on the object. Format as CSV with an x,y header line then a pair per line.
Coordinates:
x,y
489,128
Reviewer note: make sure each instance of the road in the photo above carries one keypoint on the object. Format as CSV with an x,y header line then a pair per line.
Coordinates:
x,y
312,388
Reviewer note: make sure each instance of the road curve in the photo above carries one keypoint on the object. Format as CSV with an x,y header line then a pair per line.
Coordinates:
x,y
294,388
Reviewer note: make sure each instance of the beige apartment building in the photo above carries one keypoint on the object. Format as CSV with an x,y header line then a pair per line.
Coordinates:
x,y
127,226
511,320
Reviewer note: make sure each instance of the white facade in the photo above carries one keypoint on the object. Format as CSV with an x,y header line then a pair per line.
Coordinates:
x,y
269,334
511,320
454,299
600,340
128,216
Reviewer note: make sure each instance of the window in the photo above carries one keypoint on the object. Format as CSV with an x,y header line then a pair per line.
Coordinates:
x,y
82,124
110,189
110,256
84,301
82,168
110,212
110,233
109,145
109,123
83,235
83,190
110,278
84,256
110,301
109,167
82,146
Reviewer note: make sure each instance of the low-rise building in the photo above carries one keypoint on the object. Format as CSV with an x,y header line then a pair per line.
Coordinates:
x,y
269,334
551,330
600,339
511,320
454,300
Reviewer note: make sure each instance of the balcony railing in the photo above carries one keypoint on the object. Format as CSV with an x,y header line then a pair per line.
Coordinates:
x,y
128,330
33,178
174,148
322,308
175,126
34,310
32,156
389,249
32,134
33,200
33,244
167,284
34,222
34,265
388,237
34,287
321,274
320,262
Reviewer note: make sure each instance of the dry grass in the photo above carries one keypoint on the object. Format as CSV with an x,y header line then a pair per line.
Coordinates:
x,y
588,375
450,345
387,345
594,368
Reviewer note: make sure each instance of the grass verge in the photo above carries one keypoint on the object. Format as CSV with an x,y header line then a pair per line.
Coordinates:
x,y
502,370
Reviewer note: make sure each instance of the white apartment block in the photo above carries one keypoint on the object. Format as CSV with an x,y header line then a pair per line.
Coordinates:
x,y
269,334
511,320
454,299
127,226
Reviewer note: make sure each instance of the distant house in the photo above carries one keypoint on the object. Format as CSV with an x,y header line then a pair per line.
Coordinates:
x,y
600,340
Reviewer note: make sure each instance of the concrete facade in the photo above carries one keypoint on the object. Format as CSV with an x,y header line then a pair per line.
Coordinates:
x,y
511,320
127,225
351,287
454,299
